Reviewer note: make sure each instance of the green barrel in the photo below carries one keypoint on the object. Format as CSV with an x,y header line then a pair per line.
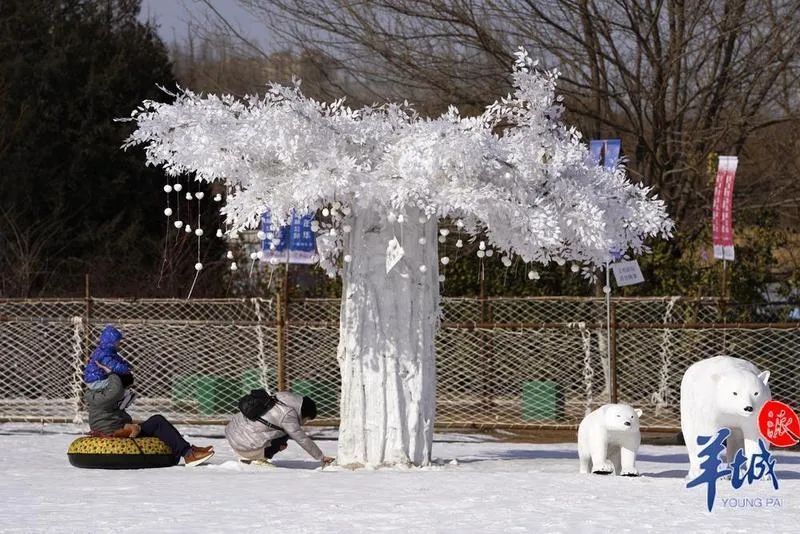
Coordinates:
x,y
324,393
542,400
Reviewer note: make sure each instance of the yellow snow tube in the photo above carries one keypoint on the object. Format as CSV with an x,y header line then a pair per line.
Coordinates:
x,y
120,453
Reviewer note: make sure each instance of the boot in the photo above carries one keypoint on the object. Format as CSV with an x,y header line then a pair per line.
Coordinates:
x,y
197,456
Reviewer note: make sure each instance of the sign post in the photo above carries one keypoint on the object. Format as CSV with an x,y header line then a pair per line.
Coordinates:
x,y
722,219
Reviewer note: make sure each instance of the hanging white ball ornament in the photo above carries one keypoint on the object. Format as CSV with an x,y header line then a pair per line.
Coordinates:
x,y
561,261
217,198
198,266
262,235
337,204
260,254
606,290
346,228
178,224
234,266
441,278
575,268
445,260
482,245
253,255
506,261
325,212
199,195
489,253
187,229
178,187
401,218
459,243
423,268
219,232
422,240
481,253
198,232
422,219
314,226
270,235
460,223
391,217
533,275
272,246
444,231
346,210
168,188
188,196
229,255
348,258
168,212
333,232
442,239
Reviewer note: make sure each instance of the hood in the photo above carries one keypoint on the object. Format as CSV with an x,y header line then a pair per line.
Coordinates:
x,y
109,337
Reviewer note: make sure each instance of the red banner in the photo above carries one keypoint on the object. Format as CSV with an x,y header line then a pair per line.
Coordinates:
x,y
722,221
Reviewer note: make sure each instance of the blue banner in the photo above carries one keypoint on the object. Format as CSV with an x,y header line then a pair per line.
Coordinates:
x,y
605,152
293,243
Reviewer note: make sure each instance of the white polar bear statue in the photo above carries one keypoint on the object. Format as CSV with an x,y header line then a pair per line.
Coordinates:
x,y
608,440
722,392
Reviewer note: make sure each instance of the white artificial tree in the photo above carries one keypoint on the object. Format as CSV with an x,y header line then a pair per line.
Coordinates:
x,y
514,174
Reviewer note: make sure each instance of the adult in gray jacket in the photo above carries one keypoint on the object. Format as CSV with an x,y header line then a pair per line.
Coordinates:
x,y
106,418
256,442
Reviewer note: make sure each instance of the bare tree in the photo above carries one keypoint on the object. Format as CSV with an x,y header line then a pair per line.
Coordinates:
x,y
678,80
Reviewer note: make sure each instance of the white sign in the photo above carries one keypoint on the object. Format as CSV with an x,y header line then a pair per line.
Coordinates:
x,y
393,254
627,273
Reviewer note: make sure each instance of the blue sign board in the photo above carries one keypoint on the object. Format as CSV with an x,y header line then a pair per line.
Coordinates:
x,y
293,243
605,152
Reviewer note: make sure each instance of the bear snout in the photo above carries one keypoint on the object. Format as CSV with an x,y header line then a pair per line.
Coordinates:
x,y
748,408
628,423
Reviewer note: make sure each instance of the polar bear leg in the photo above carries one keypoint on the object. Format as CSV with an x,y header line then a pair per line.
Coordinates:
x,y
598,449
734,443
584,458
614,458
628,467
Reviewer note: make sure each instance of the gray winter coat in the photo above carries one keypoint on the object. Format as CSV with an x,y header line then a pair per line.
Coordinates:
x,y
103,404
246,436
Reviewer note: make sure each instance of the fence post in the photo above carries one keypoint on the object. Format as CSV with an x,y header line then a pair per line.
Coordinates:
x,y
87,316
279,311
612,353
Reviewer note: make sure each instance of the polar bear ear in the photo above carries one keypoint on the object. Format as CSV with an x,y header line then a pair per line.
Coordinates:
x,y
764,377
638,412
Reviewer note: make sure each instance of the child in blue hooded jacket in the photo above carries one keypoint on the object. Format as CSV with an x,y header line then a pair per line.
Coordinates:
x,y
105,357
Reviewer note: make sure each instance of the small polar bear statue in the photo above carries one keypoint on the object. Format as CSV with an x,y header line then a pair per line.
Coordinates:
x,y
608,440
722,392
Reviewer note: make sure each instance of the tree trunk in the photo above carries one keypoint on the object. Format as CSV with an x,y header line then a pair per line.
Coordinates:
x,y
386,343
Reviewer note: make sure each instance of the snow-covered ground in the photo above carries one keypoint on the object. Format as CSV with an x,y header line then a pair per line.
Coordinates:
x,y
493,487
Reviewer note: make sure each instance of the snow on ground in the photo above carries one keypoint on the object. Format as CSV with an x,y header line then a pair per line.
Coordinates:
x,y
494,487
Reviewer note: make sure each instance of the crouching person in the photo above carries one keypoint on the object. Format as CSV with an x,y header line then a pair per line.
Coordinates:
x,y
257,440
108,418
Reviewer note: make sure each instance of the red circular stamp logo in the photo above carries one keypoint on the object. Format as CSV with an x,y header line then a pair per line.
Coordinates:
x,y
779,424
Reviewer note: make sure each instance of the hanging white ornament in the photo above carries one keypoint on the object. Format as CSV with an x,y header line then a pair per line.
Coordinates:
x,y
506,261
507,176
217,198
346,210
422,219
392,218
575,268
168,212
272,246
445,260
234,266
260,254
333,232
444,231
533,275
261,234
187,229
325,212
401,218
482,245
198,266
168,188
198,232
561,261
423,268
270,235
459,243
188,196
253,255
337,204
178,187
442,239
606,290
489,253
229,255
481,253
348,258
273,261
422,240
346,228
314,226
460,223
219,232
441,278
178,224
199,195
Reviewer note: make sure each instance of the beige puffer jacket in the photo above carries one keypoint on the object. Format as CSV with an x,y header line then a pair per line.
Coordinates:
x,y
245,435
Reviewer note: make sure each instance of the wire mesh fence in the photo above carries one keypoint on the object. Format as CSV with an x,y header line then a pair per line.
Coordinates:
x,y
501,363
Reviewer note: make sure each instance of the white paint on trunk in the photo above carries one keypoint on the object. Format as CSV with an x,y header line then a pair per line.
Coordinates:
x,y
386,343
